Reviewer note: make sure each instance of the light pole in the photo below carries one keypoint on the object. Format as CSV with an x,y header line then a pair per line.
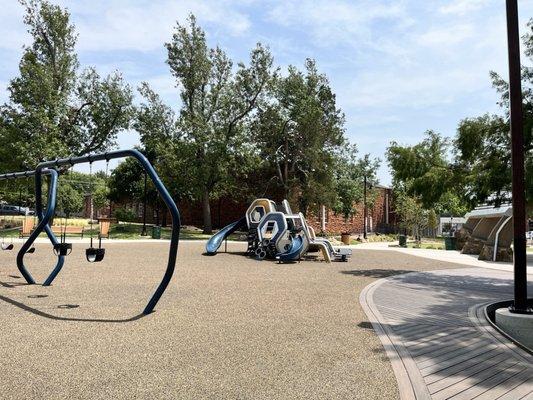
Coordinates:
x,y
365,211
517,159
143,232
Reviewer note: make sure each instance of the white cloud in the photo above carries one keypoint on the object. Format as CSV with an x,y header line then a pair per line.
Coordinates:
x,y
338,21
447,36
147,27
127,25
462,7
12,30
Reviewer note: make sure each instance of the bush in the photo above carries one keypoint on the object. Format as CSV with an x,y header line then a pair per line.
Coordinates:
x,y
125,214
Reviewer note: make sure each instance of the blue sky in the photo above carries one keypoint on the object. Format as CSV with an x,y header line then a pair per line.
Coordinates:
x,y
398,67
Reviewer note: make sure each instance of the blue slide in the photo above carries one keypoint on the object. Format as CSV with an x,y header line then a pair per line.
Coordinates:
x,y
216,240
294,251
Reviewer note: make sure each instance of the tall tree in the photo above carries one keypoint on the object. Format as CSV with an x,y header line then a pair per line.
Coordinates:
x,y
55,110
299,133
350,173
413,216
424,170
483,143
163,143
216,102
483,150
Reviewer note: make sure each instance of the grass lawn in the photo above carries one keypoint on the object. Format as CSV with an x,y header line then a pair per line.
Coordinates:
x,y
436,245
431,244
376,238
128,231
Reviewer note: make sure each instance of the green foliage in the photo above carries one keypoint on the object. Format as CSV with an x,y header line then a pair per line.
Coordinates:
x,y
54,110
217,100
413,217
350,172
74,187
423,170
100,197
452,204
125,214
126,184
240,126
432,220
483,143
298,133
69,200
126,181
164,144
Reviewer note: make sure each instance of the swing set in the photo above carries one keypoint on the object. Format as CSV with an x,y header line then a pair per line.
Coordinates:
x,y
93,254
27,224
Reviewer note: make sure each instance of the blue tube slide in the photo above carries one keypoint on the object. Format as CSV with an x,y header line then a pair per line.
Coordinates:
x,y
293,253
216,240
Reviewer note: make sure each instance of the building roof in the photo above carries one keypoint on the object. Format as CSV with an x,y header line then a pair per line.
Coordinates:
x,y
490,212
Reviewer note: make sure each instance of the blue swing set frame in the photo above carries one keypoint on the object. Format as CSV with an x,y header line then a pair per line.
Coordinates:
x,y
50,168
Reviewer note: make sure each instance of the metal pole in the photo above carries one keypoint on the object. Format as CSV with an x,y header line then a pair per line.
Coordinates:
x,y
364,208
143,233
517,159
40,215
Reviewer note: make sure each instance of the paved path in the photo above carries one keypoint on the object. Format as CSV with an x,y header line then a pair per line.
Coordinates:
x,y
439,344
448,256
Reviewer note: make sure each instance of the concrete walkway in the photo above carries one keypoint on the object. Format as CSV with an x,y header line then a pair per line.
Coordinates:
x,y
441,347
454,257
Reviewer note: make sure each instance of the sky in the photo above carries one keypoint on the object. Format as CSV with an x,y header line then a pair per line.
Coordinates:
x,y
398,68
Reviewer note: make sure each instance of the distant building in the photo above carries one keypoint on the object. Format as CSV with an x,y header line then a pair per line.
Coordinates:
x,y
450,224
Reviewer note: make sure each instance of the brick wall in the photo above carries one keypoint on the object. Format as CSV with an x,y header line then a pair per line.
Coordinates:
x,y
381,217
226,210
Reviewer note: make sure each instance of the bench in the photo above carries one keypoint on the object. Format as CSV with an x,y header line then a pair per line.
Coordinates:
x,y
27,227
105,226
69,230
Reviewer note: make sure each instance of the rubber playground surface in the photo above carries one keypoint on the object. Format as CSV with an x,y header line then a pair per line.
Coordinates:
x,y
227,327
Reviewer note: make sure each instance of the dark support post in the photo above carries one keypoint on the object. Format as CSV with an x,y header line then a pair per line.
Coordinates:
x,y
43,218
143,233
517,158
365,212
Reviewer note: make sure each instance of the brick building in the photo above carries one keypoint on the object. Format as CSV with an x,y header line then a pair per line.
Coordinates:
x,y
381,217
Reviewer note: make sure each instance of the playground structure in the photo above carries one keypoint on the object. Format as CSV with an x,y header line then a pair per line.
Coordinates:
x,y
62,248
488,233
275,232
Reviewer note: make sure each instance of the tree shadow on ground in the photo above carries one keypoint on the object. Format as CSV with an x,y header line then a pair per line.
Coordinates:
x,y
428,314
376,273
239,253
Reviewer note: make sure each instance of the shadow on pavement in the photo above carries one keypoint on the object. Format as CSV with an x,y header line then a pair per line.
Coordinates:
x,y
376,273
431,318
43,314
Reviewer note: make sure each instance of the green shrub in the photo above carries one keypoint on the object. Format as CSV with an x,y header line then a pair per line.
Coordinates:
x,y
125,214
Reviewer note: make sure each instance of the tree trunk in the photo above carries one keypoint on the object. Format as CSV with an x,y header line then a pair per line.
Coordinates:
x,y
206,209
164,223
286,168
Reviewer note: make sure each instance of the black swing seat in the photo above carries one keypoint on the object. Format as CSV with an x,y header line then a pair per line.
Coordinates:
x,y
94,254
62,249
6,246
